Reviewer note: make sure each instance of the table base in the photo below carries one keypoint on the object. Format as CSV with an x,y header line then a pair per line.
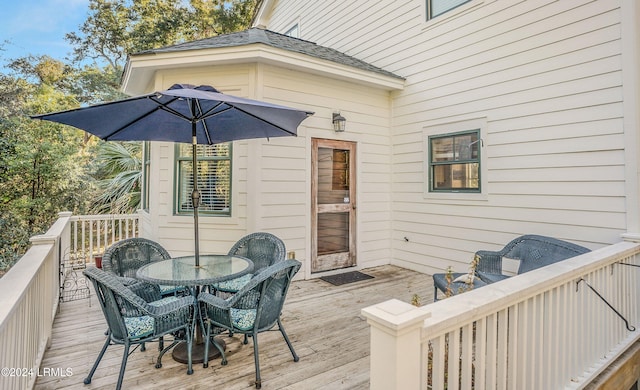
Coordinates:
x,y
180,354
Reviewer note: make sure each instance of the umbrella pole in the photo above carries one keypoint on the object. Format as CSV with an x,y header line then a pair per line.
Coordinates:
x,y
195,194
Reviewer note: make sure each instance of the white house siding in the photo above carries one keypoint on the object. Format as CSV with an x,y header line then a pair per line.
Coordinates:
x,y
271,178
175,233
545,76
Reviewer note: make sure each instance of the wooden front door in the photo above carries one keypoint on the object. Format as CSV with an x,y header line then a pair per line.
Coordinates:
x,y
333,205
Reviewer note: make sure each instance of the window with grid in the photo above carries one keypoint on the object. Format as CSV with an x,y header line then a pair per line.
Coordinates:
x,y
438,7
454,162
214,179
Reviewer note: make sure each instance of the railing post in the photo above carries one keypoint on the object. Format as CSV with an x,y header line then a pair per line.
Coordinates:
x,y
396,345
50,296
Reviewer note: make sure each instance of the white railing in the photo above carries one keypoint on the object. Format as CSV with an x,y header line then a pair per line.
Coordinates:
x,y
28,304
546,329
31,290
92,234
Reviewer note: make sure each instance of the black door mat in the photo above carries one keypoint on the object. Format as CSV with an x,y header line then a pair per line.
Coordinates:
x,y
347,277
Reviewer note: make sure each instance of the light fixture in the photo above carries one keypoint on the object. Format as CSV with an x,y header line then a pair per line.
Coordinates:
x,y
339,122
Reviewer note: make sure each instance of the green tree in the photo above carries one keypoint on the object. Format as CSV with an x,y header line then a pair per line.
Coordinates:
x,y
116,28
42,163
210,18
45,167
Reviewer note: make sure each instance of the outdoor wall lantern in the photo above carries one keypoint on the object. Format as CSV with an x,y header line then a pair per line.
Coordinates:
x,y
339,122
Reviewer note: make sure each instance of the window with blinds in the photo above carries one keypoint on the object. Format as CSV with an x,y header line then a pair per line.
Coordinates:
x,y
214,179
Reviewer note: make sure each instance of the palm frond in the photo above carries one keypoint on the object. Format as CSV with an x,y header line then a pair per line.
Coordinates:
x,y
120,174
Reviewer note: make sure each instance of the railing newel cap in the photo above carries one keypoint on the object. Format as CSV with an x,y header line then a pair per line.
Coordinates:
x,y
631,237
396,315
42,239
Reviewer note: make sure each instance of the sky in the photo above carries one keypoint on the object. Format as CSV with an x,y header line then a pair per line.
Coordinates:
x,y
38,27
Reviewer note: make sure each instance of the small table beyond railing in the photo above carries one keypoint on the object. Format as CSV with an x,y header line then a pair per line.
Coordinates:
x,y
182,271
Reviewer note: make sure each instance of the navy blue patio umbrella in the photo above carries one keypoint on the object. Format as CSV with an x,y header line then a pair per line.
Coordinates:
x,y
184,113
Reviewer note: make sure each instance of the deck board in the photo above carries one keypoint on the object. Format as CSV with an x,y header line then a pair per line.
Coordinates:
x,y
323,322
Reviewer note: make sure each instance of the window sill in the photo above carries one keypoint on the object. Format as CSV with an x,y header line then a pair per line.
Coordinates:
x,y
456,196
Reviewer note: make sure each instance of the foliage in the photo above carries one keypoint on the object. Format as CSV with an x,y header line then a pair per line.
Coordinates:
x,y
449,278
45,167
41,162
91,85
211,18
12,241
85,85
415,300
119,170
468,283
116,28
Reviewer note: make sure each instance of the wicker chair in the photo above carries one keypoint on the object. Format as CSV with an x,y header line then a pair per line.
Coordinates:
x,y
254,309
133,321
124,257
532,251
264,249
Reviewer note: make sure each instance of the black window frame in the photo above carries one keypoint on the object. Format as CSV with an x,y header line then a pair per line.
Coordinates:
x,y
457,149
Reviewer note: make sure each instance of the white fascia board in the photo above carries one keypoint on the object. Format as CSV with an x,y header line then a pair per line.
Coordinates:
x,y
141,68
264,11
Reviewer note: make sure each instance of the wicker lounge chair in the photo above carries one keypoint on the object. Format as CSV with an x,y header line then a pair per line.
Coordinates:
x,y
254,309
264,249
133,321
532,251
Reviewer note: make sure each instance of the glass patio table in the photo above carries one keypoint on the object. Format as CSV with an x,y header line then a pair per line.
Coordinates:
x,y
182,271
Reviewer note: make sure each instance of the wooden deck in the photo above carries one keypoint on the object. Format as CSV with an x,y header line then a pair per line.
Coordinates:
x,y
323,322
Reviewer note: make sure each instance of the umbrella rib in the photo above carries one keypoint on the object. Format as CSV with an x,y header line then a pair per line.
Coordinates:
x,y
210,113
200,116
160,106
165,107
231,106
41,116
106,137
204,124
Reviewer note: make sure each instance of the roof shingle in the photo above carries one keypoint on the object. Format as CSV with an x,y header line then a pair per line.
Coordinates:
x,y
276,40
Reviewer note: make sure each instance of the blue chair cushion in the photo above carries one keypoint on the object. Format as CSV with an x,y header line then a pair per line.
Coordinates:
x,y
142,326
243,319
138,327
233,285
488,277
440,281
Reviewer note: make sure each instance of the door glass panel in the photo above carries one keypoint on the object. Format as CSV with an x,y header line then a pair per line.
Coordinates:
x,y
333,176
333,233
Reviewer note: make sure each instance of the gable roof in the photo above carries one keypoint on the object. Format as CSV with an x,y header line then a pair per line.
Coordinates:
x,y
280,41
